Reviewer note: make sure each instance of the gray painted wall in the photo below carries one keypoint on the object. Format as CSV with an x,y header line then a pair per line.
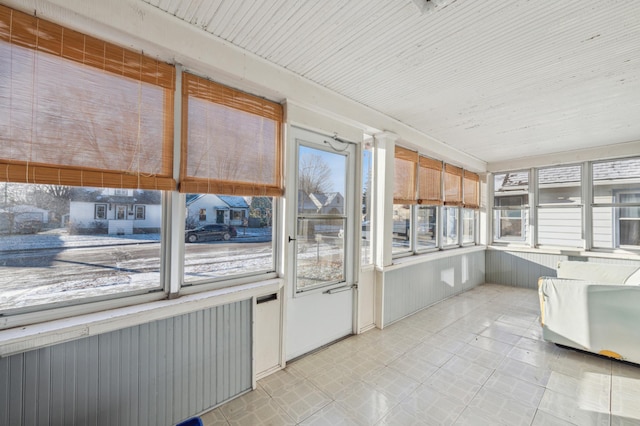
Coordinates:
x,y
522,269
414,287
154,374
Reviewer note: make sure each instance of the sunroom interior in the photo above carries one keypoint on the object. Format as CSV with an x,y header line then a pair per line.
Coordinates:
x,y
290,212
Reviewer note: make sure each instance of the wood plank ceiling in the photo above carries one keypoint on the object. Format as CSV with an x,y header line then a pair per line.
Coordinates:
x,y
497,79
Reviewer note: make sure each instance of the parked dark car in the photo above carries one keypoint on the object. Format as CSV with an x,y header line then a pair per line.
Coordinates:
x,y
210,232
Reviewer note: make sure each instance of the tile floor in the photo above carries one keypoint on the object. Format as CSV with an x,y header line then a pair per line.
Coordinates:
x,y
474,359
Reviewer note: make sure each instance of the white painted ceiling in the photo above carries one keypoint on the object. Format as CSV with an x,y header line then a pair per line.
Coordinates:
x,y
498,79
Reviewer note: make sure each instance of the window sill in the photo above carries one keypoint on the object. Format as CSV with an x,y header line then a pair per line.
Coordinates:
x,y
401,262
567,252
26,338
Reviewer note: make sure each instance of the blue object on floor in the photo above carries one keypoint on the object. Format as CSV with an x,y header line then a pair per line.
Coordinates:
x,y
194,421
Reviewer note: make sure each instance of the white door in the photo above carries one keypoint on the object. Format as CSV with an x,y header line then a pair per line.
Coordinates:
x,y
321,261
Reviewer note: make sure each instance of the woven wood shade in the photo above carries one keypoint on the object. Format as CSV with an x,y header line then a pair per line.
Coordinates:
x,y
231,141
429,181
75,110
452,185
404,189
471,190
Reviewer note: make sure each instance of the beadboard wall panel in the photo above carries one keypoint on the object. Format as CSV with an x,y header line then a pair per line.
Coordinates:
x,y
157,373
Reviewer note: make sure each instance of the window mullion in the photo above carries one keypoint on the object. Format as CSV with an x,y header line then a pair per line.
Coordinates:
x,y
533,207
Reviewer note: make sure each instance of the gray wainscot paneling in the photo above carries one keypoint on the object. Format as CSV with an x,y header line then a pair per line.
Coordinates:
x,y
522,269
157,373
412,287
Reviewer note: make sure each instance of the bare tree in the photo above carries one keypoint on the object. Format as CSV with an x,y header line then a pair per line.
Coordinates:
x,y
314,174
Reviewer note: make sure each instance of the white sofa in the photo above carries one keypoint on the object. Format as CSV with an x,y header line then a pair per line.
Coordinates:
x,y
594,307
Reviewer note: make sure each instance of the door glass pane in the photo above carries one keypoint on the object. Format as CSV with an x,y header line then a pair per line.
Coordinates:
x,y
321,221
320,252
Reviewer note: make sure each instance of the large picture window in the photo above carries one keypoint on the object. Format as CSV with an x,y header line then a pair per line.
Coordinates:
x,y
86,134
61,245
231,167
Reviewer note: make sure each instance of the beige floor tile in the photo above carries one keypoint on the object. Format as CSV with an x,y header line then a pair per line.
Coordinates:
x,y
472,416
395,385
413,366
452,385
591,390
434,407
480,356
331,415
444,343
427,351
535,358
280,380
625,398
403,415
501,334
573,409
335,381
250,402
515,388
301,400
527,372
214,418
502,409
469,370
268,415
365,404
545,419
491,345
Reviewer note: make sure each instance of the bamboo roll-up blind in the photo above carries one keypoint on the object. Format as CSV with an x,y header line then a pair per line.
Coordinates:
x,y
405,169
75,110
430,181
471,190
231,141
452,185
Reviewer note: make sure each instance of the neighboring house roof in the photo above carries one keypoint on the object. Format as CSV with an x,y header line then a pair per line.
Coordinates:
x,y
234,201
97,195
24,208
218,201
609,170
623,169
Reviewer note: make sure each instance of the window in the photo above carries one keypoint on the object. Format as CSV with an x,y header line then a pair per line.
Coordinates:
x,y
469,219
510,206
100,211
78,118
471,203
427,228
435,209
452,200
140,212
629,220
616,204
367,188
404,196
58,247
65,92
559,208
450,217
237,174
